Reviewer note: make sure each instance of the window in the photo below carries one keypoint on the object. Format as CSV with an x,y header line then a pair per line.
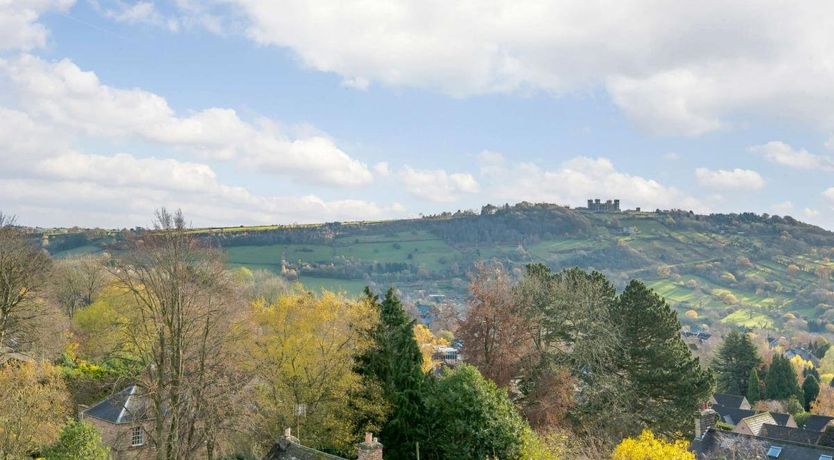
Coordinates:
x,y
137,436
774,451
825,457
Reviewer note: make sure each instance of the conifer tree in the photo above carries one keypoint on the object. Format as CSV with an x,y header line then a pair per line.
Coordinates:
x,y
734,362
781,382
394,362
754,387
810,390
667,382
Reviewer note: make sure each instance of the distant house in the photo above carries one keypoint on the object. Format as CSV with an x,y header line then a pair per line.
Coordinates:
x,y
446,355
288,447
757,438
727,400
802,353
732,415
753,424
124,422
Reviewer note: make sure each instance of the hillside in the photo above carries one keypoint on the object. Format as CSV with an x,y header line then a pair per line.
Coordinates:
x,y
741,269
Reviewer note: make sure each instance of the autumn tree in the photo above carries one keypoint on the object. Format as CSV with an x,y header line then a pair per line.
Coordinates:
x,y
302,358
495,332
662,378
824,404
649,447
34,403
184,301
736,359
23,274
428,342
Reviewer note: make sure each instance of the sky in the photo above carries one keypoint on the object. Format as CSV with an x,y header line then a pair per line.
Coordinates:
x,y
251,112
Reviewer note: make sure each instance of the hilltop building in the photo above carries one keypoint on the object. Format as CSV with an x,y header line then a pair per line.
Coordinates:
x,y
596,205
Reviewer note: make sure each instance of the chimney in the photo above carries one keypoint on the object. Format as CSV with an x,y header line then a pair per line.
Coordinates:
x,y
370,449
706,419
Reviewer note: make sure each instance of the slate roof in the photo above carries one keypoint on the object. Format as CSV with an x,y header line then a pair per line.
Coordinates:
x,y
126,406
817,422
288,448
786,433
781,419
720,444
728,400
732,415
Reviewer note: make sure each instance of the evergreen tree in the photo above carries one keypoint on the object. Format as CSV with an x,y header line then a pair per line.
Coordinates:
x,y
666,381
810,390
471,418
733,363
394,362
78,441
754,387
781,382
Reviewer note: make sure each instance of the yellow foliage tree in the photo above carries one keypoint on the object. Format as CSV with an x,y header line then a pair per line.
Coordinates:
x,y
799,365
648,447
302,357
33,405
427,342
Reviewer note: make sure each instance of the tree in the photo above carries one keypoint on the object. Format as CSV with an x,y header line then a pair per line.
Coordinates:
x,y
471,418
754,387
302,354
666,382
394,362
78,441
184,338
824,404
734,363
810,390
495,332
23,273
648,447
427,343
780,382
33,405
76,282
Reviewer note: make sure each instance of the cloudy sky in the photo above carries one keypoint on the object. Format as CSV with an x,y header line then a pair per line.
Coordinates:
x,y
255,112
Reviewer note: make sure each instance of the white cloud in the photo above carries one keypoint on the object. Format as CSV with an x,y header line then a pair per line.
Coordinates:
x,y
63,94
782,208
810,213
19,26
575,181
681,68
783,154
437,185
735,179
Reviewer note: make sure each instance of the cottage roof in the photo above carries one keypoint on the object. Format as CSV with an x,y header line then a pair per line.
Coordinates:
x,y
717,442
781,419
817,422
126,406
755,422
732,415
729,400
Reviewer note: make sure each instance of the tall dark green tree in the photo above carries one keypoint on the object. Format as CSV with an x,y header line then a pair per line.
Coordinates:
x,y
736,357
781,382
665,382
754,387
810,390
394,362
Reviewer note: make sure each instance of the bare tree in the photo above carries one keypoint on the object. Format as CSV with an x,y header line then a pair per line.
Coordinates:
x,y
23,272
183,337
77,281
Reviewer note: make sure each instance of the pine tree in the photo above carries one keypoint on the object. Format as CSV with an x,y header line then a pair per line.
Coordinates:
x,y
733,363
667,382
781,382
810,390
394,362
754,387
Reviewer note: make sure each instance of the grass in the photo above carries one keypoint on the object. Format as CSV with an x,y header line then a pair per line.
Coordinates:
x,y
748,318
352,288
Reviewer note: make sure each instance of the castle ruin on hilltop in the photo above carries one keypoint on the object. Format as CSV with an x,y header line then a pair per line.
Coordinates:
x,y
596,205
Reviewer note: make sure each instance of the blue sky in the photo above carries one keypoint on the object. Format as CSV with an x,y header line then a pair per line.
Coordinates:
x,y
251,112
